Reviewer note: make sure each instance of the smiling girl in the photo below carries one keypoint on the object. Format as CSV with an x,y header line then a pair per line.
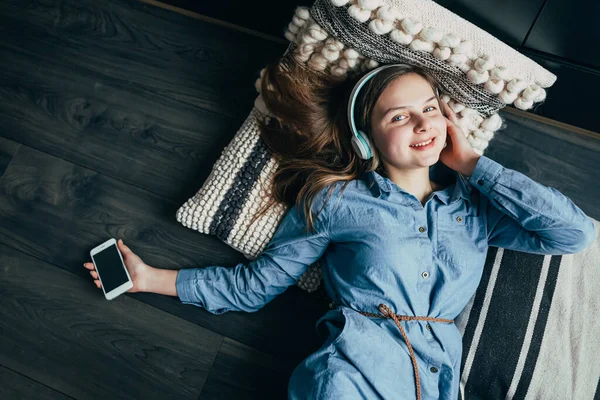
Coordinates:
x,y
403,245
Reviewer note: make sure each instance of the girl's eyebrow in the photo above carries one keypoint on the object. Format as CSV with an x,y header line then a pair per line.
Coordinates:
x,y
400,107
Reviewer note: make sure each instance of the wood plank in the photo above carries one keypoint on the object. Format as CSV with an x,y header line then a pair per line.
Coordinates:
x,y
240,372
552,156
8,149
570,129
189,10
127,89
57,212
270,18
57,330
17,386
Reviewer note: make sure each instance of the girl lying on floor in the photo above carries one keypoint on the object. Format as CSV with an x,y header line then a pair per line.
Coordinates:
x,y
402,230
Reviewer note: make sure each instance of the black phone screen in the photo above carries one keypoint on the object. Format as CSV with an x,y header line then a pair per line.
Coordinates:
x,y
110,268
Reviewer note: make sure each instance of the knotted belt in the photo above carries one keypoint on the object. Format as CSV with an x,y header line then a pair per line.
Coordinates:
x,y
387,313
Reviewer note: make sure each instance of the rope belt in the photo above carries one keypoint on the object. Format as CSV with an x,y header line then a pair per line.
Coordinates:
x,y
387,313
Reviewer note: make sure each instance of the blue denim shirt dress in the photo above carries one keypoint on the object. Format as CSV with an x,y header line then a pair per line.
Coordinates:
x,y
379,245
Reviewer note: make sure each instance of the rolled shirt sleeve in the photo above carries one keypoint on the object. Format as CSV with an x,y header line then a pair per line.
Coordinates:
x,y
527,216
249,286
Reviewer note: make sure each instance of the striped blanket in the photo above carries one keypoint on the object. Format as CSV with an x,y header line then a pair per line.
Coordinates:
x,y
532,329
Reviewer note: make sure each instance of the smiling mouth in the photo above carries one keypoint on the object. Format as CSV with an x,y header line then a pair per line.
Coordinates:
x,y
429,144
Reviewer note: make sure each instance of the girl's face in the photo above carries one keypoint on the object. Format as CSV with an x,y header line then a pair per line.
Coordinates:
x,y
407,112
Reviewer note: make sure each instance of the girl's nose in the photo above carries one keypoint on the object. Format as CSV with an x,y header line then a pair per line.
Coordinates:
x,y
423,125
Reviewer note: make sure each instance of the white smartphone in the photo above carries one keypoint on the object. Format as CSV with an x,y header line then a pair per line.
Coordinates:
x,y
111,269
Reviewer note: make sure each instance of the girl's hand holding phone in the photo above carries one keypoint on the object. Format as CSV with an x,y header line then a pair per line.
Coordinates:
x,y
138,270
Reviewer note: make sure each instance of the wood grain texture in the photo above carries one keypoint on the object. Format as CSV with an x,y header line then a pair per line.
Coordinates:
x,y
150,98
268,17
57,212
552,156
136,92
15,386
8,148
190,9
53,331
240,373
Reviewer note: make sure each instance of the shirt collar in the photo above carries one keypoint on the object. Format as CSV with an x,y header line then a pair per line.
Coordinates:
x,y
438,172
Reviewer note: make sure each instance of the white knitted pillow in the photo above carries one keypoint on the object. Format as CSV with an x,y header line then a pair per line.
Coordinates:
x,y
341,36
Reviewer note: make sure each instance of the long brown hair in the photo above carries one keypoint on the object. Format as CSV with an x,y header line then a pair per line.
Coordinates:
x,y
309,133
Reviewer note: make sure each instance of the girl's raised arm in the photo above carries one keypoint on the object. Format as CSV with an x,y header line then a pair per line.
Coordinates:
x,y
527,216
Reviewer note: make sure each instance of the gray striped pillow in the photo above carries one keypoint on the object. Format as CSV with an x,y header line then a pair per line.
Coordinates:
x,y
236,189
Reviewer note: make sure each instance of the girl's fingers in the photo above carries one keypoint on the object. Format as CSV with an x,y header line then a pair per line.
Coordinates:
x,y
454,119
123,247
89,265
93,273
450,112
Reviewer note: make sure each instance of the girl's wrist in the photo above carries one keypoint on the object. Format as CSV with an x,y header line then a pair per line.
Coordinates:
x,y
470,166
161,281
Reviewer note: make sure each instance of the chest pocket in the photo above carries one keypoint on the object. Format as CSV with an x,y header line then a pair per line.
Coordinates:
x,y
461,239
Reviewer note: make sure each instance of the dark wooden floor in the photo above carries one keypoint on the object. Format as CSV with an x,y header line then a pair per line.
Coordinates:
x,y
112,115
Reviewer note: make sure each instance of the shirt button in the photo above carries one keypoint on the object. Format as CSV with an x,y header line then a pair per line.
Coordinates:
x,y
459,218
433,369
421,229
480,182
425,274
428,327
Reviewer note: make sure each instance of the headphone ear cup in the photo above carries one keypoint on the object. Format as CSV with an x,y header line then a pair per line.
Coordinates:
x,y
359,148
365,137
362,145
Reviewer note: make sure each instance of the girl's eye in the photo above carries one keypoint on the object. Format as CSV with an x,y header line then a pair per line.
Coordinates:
x,y
395,119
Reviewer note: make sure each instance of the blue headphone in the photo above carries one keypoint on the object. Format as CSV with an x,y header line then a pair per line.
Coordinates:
x,y
360,140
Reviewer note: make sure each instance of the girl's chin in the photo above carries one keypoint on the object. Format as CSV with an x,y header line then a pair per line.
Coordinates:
x,y
423,162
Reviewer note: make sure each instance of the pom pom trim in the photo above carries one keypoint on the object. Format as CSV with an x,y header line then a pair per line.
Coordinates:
x,y
384,19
